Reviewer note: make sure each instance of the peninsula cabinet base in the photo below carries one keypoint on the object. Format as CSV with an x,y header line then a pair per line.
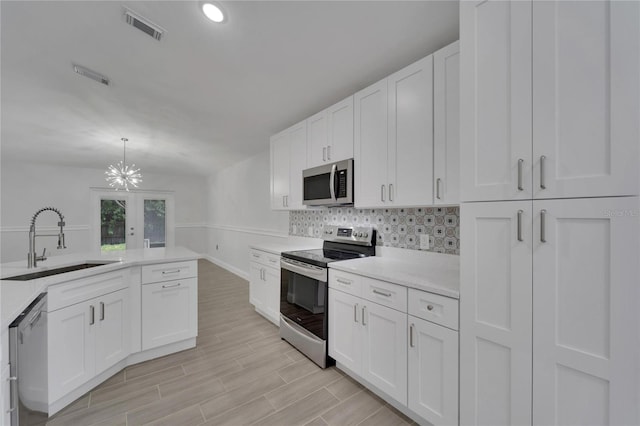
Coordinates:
x,y
136,358
388,399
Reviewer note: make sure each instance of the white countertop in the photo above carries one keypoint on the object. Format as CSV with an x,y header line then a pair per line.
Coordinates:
x,y
278,248
433,272
15,296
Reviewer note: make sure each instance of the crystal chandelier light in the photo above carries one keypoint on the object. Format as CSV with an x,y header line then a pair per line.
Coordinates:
x,y
121,176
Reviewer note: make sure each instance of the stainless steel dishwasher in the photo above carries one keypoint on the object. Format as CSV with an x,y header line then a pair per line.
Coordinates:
x,y
28,364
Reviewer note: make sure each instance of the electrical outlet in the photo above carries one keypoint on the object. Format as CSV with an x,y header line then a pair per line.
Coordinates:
x,y
424,242
295,229
311,231
216,247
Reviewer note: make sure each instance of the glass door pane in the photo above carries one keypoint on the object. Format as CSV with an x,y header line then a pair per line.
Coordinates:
x,y
113,225
155,224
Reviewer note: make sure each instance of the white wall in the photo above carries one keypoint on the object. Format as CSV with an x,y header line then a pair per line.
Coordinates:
x,y
25,188
240,213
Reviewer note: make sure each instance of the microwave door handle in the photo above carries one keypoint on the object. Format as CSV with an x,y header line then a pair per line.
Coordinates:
x,y
332,181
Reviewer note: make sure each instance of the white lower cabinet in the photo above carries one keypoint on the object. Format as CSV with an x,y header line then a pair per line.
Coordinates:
x,y
405,346
169,312
549,313
264,284
85,339
433,372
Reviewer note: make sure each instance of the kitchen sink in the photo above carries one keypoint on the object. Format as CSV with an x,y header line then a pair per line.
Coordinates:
x,y
56,271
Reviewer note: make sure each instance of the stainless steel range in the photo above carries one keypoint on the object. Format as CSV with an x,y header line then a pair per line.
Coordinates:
x,y
304,289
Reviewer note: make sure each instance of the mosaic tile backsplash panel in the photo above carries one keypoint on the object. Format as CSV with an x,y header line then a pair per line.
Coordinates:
x,y
395,227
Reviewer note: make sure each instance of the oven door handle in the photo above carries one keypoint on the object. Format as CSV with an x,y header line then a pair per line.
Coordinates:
x,y
332,182
310,271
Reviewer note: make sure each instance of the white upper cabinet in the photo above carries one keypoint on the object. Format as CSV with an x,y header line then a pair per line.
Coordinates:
x,y
317,141
279,170
340,130
410,166
446,125
495,110
370,146
393,144
585,98
549,99
330,134
288,159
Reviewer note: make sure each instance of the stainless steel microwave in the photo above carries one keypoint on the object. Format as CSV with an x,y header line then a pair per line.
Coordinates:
x,y
328,185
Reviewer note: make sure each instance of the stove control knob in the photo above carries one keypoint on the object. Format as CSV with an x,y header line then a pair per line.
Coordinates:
x,y
366,235
360,234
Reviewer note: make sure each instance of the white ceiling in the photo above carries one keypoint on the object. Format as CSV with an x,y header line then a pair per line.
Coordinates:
x,y
206,95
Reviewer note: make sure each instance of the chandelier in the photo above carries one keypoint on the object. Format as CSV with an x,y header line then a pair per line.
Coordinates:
x,y
121,176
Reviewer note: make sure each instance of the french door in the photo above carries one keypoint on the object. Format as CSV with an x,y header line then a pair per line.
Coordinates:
x,y
132,220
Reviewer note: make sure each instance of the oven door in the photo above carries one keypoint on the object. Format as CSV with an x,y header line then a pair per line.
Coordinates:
x,y
303,295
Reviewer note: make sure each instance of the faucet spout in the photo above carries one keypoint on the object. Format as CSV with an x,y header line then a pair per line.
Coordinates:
x,y
32,257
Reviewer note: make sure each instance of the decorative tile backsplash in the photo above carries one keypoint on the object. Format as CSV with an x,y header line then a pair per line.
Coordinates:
x,y
395,227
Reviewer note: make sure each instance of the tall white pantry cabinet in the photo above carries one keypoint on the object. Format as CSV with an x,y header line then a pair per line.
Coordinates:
x,y
549,137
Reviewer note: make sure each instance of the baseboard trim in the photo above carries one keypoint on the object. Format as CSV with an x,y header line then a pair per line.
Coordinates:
x,y
242,274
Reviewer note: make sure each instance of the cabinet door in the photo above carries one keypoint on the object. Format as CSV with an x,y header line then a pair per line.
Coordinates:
x,y
384,349
340,130
495,95
297,163
169,312
256,286
272,294
495,313
345,330
410,170
113,326
433,372
370,146
71,347
446,125
585,311
279,170
585,98
317,139
5,395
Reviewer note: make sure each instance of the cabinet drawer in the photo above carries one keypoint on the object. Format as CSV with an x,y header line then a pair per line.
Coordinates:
x,y
344,281
433,307
76,291
169,271
264,258
385,293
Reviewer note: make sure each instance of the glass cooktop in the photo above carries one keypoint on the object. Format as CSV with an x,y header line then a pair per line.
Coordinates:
x,y
321,257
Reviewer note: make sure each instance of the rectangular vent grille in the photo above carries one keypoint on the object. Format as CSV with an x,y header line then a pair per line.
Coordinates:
x,y
86,72
143,25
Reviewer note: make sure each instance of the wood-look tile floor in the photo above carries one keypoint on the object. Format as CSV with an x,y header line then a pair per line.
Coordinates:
x,y
240,373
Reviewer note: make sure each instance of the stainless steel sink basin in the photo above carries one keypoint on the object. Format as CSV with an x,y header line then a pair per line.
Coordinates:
x,y
56,271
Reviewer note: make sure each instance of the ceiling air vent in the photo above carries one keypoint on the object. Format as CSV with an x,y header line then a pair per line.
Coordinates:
x,y
143,24
86,72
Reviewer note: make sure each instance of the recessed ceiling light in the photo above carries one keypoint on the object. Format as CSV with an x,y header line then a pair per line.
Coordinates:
x,y
213,12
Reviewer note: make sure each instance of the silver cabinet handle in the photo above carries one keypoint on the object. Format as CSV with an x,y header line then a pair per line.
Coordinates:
x,y
13,393
543,230
381,293
101,311
382,193
283,205
543,185
390,192
324,153
257,256
438,188
273,261
411,327
355,313
364,313
329,152
92,315
520,162
173,271
343,281
520,224
171,285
